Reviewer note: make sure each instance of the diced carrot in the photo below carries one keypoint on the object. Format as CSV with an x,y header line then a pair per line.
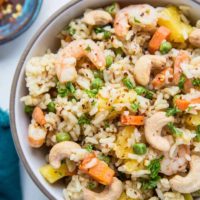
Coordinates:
x,y
181,58
132,120
101,172
161,34
38,116
161,78
182,104
195,101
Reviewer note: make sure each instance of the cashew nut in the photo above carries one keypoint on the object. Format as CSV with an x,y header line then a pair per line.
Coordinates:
x,y
60,151
153,128
113,192
194,38
144,66
97,17
191,182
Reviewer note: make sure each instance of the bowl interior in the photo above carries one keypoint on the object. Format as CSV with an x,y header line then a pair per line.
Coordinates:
x,y
43,40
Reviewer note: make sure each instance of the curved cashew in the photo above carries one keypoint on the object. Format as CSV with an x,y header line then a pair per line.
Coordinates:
x,y
144,66
153,128
113,192
97,17
191,182
60,151
194,38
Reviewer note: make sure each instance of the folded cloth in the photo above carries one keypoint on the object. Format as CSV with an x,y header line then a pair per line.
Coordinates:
x,y
10,188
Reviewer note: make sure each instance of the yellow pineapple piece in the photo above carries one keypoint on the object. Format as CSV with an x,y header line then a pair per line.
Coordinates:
x,y
52,175
121,146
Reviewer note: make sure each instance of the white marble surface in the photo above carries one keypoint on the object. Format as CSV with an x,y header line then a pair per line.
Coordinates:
x,y
9,57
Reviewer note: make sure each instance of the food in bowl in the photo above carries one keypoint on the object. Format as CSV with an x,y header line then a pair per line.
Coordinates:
x,y
118,106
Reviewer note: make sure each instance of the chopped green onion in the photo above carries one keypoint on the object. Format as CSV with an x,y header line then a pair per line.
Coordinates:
x,y
92,185
149,94
112,8
140,148
150,184
140,90
107,34
135,106
97,83
28,109
182,81
51,107
71,30
196,82
165,47
154,167
83,120
62,136
118,51
98,74
198,133
173,129
109,61
104,158
137,20
88,48
172,111
89,148
65,89
91,93
127,82
143,91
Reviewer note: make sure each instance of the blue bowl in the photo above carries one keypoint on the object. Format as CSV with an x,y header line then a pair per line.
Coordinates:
x,y
11,30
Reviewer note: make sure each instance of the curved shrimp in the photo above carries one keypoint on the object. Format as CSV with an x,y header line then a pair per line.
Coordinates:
x,y
66,62
36,135
170,166
141,15
163,78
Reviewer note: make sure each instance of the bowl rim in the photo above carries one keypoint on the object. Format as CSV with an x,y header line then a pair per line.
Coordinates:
x,y
14,86
13,94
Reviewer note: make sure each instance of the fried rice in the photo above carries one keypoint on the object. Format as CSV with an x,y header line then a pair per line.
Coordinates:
x,y
108,111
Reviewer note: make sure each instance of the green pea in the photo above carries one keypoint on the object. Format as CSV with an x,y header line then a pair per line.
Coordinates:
x,y
51,107
97,83
62,136
109,61
28,109
128,83
165,47
140,90
140,148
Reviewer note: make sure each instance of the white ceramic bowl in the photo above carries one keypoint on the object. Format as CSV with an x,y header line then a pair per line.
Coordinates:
x,y
44,39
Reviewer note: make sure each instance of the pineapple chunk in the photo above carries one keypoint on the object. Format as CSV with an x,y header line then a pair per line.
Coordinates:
x,y
121,146
171,18
192,120
125,197
131,166
52,175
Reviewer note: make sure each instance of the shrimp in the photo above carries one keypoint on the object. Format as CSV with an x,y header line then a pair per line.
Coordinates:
x,y
36,135
67,57
38,116
163,78
141,15
178,163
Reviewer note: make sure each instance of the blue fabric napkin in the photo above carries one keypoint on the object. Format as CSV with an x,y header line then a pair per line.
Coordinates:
x,y
10,188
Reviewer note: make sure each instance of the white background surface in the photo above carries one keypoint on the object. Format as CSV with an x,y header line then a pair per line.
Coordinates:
x,y
9,57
